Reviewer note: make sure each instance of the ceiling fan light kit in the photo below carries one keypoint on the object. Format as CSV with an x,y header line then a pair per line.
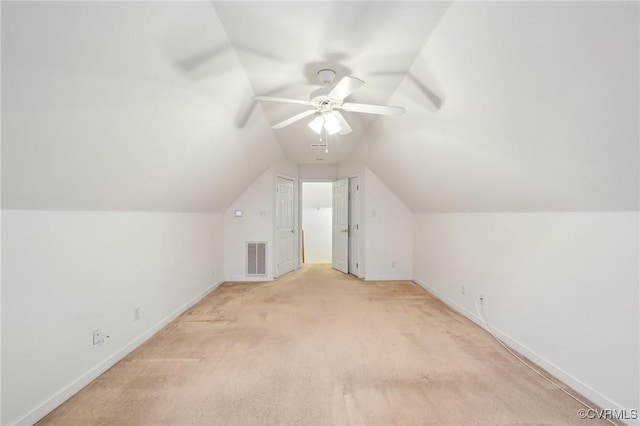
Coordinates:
x,y
327,100
326,120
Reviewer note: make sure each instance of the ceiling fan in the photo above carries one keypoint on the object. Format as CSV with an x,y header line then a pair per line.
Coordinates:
x,y
327,100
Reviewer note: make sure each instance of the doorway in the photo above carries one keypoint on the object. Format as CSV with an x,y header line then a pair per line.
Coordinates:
x,y
316,222
330,218
346,225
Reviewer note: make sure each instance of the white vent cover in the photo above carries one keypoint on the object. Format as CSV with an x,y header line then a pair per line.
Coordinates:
x,y
257,258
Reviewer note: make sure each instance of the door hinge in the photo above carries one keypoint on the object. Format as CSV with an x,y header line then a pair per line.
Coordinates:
x,y
357,187
357,226
356,265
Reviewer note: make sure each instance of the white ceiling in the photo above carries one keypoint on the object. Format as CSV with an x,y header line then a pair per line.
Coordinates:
x,y
282,45
511,106
540,111
96,114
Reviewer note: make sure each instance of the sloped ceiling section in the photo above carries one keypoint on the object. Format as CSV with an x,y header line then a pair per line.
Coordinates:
x,y
515,106
106,107
282,46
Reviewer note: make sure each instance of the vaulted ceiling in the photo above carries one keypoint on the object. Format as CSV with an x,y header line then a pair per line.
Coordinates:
x,y
540,111
98,116
148,105
282,46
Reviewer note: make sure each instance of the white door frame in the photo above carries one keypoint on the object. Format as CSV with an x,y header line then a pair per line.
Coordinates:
x,y
296,224
355,207
300,213
340,225
361,243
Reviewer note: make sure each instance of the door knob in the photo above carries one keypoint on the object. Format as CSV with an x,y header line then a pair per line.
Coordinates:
x,y
293,232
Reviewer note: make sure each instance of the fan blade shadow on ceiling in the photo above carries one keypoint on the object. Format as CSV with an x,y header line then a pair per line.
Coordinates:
x,y
215,60
199,59
248,105
256,52
435,100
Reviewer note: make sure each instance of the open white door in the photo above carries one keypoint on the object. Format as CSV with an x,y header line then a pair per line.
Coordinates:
x,y
354,225
285,226
340,245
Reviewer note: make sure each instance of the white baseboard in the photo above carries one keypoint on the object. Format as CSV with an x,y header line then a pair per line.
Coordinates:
x,y
398,277
95,372
243,279
588,392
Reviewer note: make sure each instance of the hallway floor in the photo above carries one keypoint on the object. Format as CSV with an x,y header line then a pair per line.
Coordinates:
x,y
318,347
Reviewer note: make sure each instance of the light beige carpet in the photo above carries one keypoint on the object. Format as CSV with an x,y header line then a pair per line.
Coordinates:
x,y
318,347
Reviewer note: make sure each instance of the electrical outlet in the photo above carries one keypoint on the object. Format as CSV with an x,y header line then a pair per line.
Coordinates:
x,y
136,314
393,264
462,290
482,299
98,337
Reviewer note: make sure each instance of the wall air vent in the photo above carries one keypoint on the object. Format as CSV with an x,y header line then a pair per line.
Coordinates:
x,y
256,258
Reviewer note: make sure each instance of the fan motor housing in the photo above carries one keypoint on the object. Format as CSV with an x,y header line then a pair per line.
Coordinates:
x,y
323,91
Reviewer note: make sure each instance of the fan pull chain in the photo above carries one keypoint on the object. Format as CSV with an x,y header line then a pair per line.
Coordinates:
x,y
325,133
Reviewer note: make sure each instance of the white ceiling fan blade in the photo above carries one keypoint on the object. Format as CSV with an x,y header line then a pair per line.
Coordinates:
x,y
284,100
373,109
345,129
293,119
345,87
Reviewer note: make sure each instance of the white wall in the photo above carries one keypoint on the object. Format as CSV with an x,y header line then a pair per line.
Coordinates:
x,y
560,287
386,243
65,273
257,223
388,232
318,171
352,166
285,167
316,221
1,280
